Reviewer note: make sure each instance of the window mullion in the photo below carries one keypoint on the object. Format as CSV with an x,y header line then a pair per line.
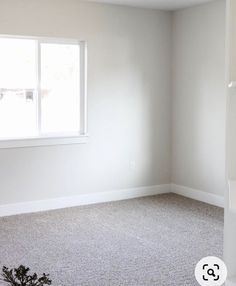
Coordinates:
x,y
83,88
38,100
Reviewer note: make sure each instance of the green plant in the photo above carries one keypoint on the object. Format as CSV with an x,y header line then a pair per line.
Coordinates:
x,y
20,277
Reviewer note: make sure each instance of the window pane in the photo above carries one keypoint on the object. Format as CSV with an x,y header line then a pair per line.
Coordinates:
x,y
18,115
60,88
17,63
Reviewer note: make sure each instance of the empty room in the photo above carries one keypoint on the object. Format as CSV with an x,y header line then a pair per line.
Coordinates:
x,y
117,142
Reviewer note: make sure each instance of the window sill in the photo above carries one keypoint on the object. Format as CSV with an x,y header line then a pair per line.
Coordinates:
x,y
43,141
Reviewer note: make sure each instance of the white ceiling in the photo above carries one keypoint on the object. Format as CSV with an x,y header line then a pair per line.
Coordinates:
x,y
156,4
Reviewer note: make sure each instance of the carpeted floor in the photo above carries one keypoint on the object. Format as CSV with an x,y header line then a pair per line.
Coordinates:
x,y
141,242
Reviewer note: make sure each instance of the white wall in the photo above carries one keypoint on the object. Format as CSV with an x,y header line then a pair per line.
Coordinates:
x,y
198,99
230,214
129,101
129,88
231,76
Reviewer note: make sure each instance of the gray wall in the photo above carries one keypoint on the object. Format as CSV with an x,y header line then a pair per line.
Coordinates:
x,y
129,101
198,99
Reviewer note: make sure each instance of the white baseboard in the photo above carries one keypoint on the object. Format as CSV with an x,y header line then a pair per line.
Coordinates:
x,y
102,197
198,195
86,199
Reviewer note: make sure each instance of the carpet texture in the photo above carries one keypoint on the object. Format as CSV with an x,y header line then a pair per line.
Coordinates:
x,y
141,242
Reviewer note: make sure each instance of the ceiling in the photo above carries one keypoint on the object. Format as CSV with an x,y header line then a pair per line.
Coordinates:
x,y
155,4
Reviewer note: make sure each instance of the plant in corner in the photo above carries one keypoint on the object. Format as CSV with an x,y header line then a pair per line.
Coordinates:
x,y
20,277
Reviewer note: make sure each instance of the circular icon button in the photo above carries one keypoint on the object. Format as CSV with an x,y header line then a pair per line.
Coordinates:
x,y
211,271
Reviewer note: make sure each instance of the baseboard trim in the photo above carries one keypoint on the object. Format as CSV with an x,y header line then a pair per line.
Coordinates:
x,y
85,199
198,195
102,197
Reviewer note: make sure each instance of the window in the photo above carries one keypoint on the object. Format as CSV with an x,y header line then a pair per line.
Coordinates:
x,y
42,91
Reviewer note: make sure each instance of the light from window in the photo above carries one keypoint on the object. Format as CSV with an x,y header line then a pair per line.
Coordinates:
x,y
41,88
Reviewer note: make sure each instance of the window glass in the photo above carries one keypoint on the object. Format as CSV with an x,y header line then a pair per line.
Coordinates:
x,y
60,88
40,88
18,113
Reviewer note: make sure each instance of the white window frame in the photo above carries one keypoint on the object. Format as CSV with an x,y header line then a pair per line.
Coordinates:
x,y
53,138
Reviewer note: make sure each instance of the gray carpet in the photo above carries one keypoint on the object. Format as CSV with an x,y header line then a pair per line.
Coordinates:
x,y
148,241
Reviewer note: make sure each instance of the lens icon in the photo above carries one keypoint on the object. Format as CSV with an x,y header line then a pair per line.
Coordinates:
x,y
211,271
